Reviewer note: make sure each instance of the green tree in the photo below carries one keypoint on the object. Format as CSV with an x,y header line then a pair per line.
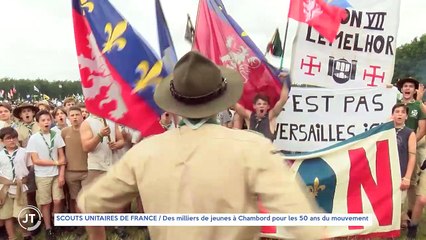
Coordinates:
x,y
410,60
53,89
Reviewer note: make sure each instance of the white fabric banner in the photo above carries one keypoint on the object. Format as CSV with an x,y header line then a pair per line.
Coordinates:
x,y
363,53
359,175
314,118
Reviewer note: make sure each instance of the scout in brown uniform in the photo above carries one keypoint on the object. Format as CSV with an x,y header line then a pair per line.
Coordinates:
x,y
193,169
25,128
14,165
76,170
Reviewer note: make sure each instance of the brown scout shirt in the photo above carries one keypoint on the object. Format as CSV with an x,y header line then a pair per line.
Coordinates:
x,y
25,131
209,170
76,157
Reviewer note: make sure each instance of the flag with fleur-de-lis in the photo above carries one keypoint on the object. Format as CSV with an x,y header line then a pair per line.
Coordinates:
x,y
118,69
360,175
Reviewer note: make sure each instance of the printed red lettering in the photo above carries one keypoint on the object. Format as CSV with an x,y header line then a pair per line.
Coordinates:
x,y
379,193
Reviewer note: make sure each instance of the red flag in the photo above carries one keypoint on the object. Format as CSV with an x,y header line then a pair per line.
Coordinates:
x,y
221,39
318,14
266,229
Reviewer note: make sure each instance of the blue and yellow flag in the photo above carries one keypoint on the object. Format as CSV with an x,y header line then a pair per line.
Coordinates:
x,y
118,68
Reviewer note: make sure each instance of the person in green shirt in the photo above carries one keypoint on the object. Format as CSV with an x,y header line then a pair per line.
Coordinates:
x,y
417,122
416,117
420,202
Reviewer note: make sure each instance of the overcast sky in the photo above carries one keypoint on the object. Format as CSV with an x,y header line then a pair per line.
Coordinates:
x,y
37,39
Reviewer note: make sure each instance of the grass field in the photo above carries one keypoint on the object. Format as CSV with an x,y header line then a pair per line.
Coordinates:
x,y
134,233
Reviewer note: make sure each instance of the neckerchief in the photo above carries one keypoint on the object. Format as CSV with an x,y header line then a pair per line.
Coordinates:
x,y
399,129
52,142
30,127
258,120
197,123
11,159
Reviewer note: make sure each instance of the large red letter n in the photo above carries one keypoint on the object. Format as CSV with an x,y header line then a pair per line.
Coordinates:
x,y
380,193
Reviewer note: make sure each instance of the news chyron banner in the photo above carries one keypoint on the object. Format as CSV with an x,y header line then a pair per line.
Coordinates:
x,y
315,118
359,175
362,55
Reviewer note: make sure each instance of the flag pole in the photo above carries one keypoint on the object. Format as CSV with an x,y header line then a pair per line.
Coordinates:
x,y
285,39
106,125
192,29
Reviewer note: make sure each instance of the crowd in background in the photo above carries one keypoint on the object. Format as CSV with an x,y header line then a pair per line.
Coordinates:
x,y
44,162
48,154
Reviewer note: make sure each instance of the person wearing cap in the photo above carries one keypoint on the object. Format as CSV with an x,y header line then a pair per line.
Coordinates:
x,y
416,121
416,118
26,126
263,119
193,169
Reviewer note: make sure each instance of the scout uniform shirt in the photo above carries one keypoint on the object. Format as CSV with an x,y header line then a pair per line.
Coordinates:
x,y
4,124
209,170
14,166
25,131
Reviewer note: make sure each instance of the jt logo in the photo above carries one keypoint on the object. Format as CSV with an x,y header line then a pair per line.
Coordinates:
x,y
29,215
27,218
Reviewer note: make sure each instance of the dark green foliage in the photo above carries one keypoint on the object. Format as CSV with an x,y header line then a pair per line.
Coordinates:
x,y
52,89
410,60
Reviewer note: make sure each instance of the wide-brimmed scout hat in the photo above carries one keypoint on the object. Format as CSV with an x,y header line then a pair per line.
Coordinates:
x,y
401,82
17,111
198,88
